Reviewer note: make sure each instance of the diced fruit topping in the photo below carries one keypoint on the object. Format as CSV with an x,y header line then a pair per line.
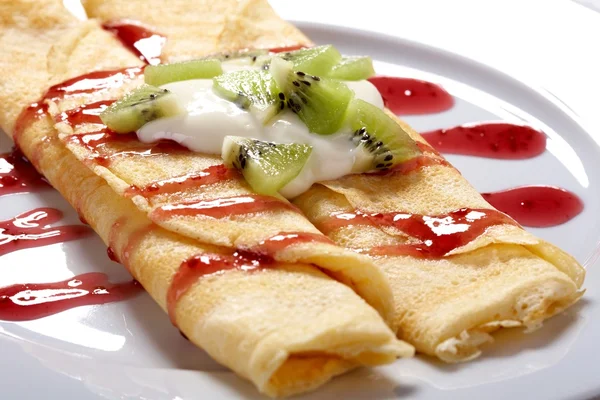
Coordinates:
x,y
139,107
196,69
321,103
314,61
267,167
382,141
251,90
353,69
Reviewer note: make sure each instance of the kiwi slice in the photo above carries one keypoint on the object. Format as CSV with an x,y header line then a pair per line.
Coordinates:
x,y
315,60
382,141
253,90
142,105
267,167
353,69
321,103
195,69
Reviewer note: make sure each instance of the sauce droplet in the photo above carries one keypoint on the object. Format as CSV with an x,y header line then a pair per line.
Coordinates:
x,y
537,206
492,140
407,96
29,301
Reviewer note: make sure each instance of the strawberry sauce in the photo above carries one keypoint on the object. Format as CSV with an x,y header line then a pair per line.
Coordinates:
x,y
29,301
253,259
209,176
407,96
537,206
17,175
437,235
492,140
32,229
201,265
140,40
78,86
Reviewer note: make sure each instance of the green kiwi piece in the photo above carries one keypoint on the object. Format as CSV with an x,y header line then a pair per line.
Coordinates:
x,y
321,103
315,60
161,74
142,105
382,140
267,167
253,90
353,69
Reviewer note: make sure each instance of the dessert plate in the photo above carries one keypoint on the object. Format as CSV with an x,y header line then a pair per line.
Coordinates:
x,y
502,61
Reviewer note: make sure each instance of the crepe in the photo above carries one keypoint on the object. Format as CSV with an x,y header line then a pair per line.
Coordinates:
x,y
285,324
445,306
448,305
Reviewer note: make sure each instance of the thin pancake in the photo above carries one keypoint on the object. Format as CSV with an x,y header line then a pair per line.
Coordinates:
x,y
447,306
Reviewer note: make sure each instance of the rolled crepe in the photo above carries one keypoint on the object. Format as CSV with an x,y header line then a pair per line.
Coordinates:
x,y
485,272
276,318
446,304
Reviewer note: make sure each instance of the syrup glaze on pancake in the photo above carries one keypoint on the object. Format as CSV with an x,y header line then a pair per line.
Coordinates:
x,y
437,235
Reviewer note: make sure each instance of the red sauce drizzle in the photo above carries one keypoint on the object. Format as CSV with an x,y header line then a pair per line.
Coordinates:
x,y
284,240
84,84
17,175
437,234
85,114
223,207
537,206
132,242
256,258
492,140
141,41
96,143
32,229
29,301
406,96
209,176
209,264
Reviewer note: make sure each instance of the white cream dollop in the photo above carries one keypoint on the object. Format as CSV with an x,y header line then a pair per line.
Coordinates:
x,y
210,119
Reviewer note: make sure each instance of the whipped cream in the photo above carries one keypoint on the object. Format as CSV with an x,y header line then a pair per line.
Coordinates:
x,y
210,118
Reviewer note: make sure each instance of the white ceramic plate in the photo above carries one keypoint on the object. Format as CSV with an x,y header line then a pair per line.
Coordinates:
x,y
516,61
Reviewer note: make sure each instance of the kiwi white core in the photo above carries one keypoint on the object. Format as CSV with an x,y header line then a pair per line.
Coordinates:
x,y
210,118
